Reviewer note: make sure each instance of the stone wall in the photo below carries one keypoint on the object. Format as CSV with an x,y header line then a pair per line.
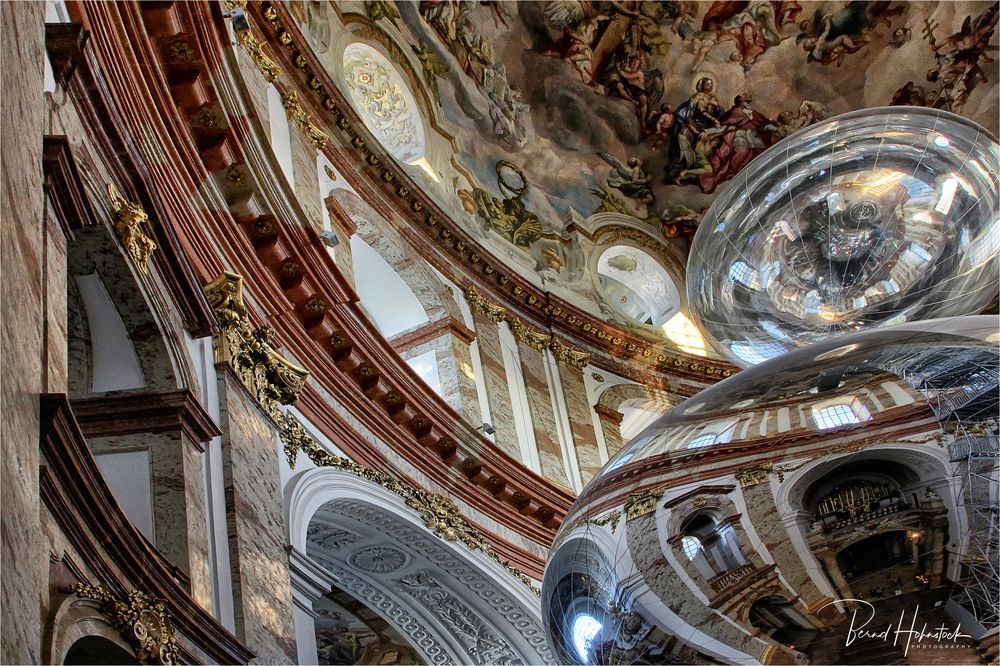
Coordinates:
x,y
23,254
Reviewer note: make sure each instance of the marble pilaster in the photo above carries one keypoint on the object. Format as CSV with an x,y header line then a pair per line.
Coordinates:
x,y
581,422
497,390
543,419
262,591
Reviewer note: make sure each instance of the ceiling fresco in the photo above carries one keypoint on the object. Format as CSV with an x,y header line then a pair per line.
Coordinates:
x,y
647,108
541,113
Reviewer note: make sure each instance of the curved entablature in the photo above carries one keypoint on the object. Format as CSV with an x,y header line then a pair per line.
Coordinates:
x,y
400,190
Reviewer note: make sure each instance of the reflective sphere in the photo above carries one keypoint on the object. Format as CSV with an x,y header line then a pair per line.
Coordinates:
x,y
872,218
734,529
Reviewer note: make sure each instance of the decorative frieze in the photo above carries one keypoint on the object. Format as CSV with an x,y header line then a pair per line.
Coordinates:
x,y
438,512
316,137
130,220
268,376
142,621
753,475
641,504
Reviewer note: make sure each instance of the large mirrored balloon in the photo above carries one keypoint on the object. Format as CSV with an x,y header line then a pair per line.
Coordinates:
x,y
873,218
768,517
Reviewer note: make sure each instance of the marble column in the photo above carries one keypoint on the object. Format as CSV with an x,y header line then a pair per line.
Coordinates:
x,y
262,589
829,561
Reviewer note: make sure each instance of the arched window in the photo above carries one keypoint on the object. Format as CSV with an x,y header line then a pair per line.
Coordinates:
x,y
380,96
702,440
691,546
636,284
585,628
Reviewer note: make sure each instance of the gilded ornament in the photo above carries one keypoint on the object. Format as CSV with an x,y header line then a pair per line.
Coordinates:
x,y
508,216
439,513
755,475
330,173
130,219
181,52
268,376
317,138
699,502
569,355
268,69
641,504
528,336
235,176
597,377
481,305
142,620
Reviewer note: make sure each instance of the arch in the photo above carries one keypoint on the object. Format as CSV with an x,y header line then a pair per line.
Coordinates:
x,y
391,304
74,619
98,650
106,300
639,407
399,255
635,283
384,556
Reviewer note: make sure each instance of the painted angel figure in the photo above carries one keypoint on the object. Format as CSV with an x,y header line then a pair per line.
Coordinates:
x,y
630,179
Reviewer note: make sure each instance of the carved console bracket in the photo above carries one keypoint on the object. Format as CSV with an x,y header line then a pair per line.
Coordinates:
x,y
268,376
438,512
142,621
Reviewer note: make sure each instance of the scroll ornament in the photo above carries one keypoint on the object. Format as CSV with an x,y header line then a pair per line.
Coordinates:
x,y
317,138
246,348
142,621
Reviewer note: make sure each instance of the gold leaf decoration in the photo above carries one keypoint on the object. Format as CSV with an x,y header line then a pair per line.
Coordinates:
x,y
142,621
317,138
265,65
268,376
438,512
130,219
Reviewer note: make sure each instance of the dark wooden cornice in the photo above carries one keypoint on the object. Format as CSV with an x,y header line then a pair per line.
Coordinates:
x,y
64,186
119,556
130,413
64,43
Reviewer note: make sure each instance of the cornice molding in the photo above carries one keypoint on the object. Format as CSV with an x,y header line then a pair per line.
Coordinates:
x,y
131,413
410,202
117,554
444,326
